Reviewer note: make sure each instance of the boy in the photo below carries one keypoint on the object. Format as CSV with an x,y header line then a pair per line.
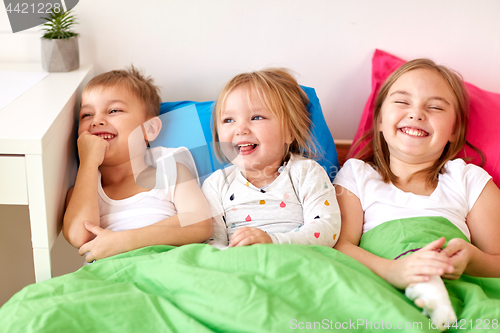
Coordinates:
x,y
119,203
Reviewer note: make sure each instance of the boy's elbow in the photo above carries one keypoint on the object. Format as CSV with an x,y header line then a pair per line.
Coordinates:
x,y
204,230
75,238
209,228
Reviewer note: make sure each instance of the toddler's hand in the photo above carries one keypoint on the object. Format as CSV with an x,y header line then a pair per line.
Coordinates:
x,y
248,236
459,252
418,266
91,148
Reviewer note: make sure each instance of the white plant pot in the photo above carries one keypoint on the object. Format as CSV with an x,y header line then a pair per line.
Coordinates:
x,y
60,55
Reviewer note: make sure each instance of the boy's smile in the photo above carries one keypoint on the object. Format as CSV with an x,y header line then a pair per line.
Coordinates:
x,y
105,135
112,113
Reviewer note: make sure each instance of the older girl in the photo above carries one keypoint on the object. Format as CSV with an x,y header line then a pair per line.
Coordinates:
x,y
407,170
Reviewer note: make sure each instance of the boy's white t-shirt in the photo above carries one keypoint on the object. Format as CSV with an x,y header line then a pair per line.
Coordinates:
x,y
457,190
149,207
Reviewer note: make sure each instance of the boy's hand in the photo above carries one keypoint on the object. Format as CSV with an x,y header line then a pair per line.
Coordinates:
x,y
248,236
91,149
417,266
460,252
105,244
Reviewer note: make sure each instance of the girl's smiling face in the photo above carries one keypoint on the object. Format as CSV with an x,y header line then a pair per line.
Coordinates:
x,y
418,116
112,113
251,136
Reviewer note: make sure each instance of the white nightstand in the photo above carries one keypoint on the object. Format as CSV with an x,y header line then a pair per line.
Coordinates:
x,y
37,153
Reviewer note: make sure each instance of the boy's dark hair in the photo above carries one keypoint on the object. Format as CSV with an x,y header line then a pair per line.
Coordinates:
x,y
133,80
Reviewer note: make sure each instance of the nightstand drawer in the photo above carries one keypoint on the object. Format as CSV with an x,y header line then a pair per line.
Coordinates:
x,y
13,188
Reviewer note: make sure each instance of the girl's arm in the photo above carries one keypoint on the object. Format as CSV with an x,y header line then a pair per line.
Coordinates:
x,y
81,201
400,273
482,257
320,209
192,224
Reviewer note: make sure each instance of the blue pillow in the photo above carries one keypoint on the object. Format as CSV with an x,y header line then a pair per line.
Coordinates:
x,y
188,124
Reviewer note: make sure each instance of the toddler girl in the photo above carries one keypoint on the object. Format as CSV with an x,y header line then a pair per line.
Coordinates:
x,y
272,193
407,169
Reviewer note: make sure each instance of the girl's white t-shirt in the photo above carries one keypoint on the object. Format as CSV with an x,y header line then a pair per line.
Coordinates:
x,y
457,190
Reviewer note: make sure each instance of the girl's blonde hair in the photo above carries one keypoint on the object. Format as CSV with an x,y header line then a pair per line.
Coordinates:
x,y
280,93
376,151
133,80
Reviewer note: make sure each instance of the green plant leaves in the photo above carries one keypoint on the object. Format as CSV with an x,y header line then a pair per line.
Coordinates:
x,y
58,25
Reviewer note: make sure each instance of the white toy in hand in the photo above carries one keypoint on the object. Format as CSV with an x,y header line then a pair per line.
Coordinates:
x,y
433,297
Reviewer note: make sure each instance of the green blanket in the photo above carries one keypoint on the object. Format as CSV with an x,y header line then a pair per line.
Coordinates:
x,y
259,288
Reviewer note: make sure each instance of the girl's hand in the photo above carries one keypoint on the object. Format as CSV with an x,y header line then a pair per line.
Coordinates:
x,y
417,266
248,236
460,252
105,244
91,149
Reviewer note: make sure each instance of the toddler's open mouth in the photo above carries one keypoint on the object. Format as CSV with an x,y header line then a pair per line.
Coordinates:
x,y
246,148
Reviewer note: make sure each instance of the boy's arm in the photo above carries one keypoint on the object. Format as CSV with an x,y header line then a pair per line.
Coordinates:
x,y
81,201
192,224
192,207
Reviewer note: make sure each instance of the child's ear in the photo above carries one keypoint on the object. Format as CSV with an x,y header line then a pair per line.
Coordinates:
x,y
152,128
453,137
454,133
289,137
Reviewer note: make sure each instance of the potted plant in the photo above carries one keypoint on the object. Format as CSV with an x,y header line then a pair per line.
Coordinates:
x,y
59,44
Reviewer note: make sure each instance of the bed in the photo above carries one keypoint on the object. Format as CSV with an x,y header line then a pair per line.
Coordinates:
x,y
259,288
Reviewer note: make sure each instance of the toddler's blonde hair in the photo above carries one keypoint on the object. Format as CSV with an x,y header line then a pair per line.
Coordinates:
x,y
280,93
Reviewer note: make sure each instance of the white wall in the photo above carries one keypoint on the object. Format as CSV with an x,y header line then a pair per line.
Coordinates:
x,y
192,47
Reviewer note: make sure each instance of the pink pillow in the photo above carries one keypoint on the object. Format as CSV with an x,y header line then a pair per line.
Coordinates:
x,y
484,116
